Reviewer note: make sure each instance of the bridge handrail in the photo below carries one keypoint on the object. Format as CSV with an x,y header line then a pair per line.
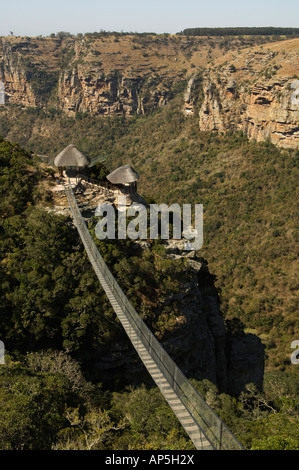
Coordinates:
x,y
104,184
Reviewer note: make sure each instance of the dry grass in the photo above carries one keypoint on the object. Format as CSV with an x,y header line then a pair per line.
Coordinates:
x,y
166,55
284,54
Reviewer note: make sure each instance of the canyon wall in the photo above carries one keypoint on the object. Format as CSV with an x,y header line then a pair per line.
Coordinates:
x,y
200,345
252,90
17,87
81,88
91,91
101,76
263,110
256,92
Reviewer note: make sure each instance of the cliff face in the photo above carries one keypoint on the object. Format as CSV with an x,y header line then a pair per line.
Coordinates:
x,y
199,346
255,92
91,91
12,74
198,341
266,109
100,81
99,75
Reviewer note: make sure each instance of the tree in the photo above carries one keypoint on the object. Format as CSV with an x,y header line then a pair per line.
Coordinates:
x,y
63,34
89,431
275,443
32,407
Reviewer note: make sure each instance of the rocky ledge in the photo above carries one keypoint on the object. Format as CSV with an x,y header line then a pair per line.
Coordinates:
x,y
199,346
264,110
255,91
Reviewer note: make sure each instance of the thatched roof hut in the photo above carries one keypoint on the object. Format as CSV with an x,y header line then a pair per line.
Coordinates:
x,y
71,157
123,175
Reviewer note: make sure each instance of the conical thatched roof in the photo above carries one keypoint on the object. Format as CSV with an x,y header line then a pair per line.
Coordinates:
x,y
71,156
123,174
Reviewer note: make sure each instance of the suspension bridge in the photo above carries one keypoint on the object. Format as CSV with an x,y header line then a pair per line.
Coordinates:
x,y
203,426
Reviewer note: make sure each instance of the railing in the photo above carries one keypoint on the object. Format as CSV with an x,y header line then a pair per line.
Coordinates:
x,y
207,421
108,186
104,184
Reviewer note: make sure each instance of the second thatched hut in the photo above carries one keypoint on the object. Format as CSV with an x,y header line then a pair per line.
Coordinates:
x,y
125,178
71,159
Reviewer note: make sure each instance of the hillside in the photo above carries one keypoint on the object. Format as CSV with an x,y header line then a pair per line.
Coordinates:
x,y
231,83
101,74
254,91
248,191
250,246
203,120
52,311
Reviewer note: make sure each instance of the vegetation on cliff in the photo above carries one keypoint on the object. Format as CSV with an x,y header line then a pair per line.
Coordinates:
x,y
242,31
50,296
53,314
247,190
106,73
50,300
46,403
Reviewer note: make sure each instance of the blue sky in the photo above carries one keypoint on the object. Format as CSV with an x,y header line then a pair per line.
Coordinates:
x,y
35,17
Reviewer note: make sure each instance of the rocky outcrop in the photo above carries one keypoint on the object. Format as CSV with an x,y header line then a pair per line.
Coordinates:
x,y
198,344
256,94
91,91
245,362
254,91
13,75
263,110
189,97
197,339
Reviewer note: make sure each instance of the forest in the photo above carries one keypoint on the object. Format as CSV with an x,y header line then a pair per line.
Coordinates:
x,y
247,189
242,31
53,310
